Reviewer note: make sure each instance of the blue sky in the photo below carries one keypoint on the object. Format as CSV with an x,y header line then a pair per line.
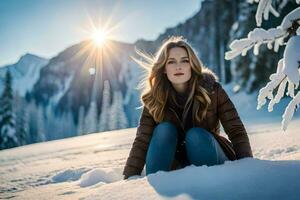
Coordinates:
x,y
46,27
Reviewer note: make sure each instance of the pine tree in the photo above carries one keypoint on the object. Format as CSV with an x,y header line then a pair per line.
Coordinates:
x,y
32,121
104,116
8,137
23,127
21,118
118,119
69,125
80,125
91,118
41,136
51,123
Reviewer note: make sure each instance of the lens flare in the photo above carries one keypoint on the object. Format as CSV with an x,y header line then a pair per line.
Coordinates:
x,y
99,37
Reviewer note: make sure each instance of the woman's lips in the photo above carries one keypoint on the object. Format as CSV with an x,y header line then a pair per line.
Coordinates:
x,y
178,74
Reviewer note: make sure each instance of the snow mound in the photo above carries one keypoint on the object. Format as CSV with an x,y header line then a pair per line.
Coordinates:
x,y
100,176
247,178
68,175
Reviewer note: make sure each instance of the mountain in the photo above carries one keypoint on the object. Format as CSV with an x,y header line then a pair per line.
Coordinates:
x,y
66,82
25,72
211,30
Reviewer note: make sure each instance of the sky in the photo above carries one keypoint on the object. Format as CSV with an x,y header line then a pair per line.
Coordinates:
x,y
47,27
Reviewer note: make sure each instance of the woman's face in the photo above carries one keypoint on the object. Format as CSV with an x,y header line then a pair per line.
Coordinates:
x,y
178,67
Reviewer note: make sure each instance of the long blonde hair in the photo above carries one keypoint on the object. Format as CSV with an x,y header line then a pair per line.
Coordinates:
x,y
157,87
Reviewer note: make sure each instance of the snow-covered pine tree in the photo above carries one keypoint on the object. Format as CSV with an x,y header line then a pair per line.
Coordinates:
x,y
32,121
51,123
20,108
8,137
80,124
287,74
131,75
91,119
41,132
118,119
104,115
23,126
71,128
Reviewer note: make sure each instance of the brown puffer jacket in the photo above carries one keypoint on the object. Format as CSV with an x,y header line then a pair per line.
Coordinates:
x,y
221,110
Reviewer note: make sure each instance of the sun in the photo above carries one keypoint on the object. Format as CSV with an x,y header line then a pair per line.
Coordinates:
x,y
99,37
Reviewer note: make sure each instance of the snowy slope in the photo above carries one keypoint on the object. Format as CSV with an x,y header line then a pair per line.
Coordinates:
x,y
90,167
246,105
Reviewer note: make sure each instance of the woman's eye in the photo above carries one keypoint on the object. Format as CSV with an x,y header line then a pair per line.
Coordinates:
x,y
185,61
170,62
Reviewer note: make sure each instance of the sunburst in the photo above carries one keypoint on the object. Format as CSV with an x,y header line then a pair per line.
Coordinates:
x,y
99,47
99,37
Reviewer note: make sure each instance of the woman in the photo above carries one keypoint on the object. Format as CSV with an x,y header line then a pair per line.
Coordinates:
x,y
179,124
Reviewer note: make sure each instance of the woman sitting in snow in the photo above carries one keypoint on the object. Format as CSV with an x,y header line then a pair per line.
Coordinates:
x,y
179,124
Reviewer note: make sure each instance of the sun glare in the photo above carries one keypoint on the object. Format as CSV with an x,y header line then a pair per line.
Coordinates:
x,y
99,34
99,37
92,70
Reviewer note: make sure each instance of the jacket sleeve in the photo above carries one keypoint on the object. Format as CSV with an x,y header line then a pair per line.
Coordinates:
x,y
137,155
232,124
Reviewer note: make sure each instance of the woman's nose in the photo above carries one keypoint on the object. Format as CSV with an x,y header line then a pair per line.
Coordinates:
x,y
178,68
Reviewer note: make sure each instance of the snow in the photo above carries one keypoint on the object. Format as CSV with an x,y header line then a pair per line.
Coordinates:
x,y
287,68
255,38
62,89
246,106
290,109
99,175
258,36
288,20
263,9
291,59
287,74
25,72
90,167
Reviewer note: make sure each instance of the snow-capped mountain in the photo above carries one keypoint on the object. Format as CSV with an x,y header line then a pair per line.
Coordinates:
x,y
24,73
66,82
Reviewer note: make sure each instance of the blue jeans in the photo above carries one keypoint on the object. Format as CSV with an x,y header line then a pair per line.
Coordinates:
x,y
200,145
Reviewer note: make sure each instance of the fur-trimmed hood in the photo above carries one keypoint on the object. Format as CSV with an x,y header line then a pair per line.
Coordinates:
x,y
208,79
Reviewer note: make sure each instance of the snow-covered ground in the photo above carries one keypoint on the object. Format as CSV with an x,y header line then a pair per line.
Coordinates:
x,y
90,167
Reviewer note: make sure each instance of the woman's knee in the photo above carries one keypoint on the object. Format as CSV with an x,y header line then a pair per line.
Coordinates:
x,y
165,131
197,135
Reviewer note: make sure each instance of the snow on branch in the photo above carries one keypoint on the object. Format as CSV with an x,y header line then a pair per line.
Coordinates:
x,y
255,38
287,73
289,26
277,78
291,60
265,7
288,68
289,111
